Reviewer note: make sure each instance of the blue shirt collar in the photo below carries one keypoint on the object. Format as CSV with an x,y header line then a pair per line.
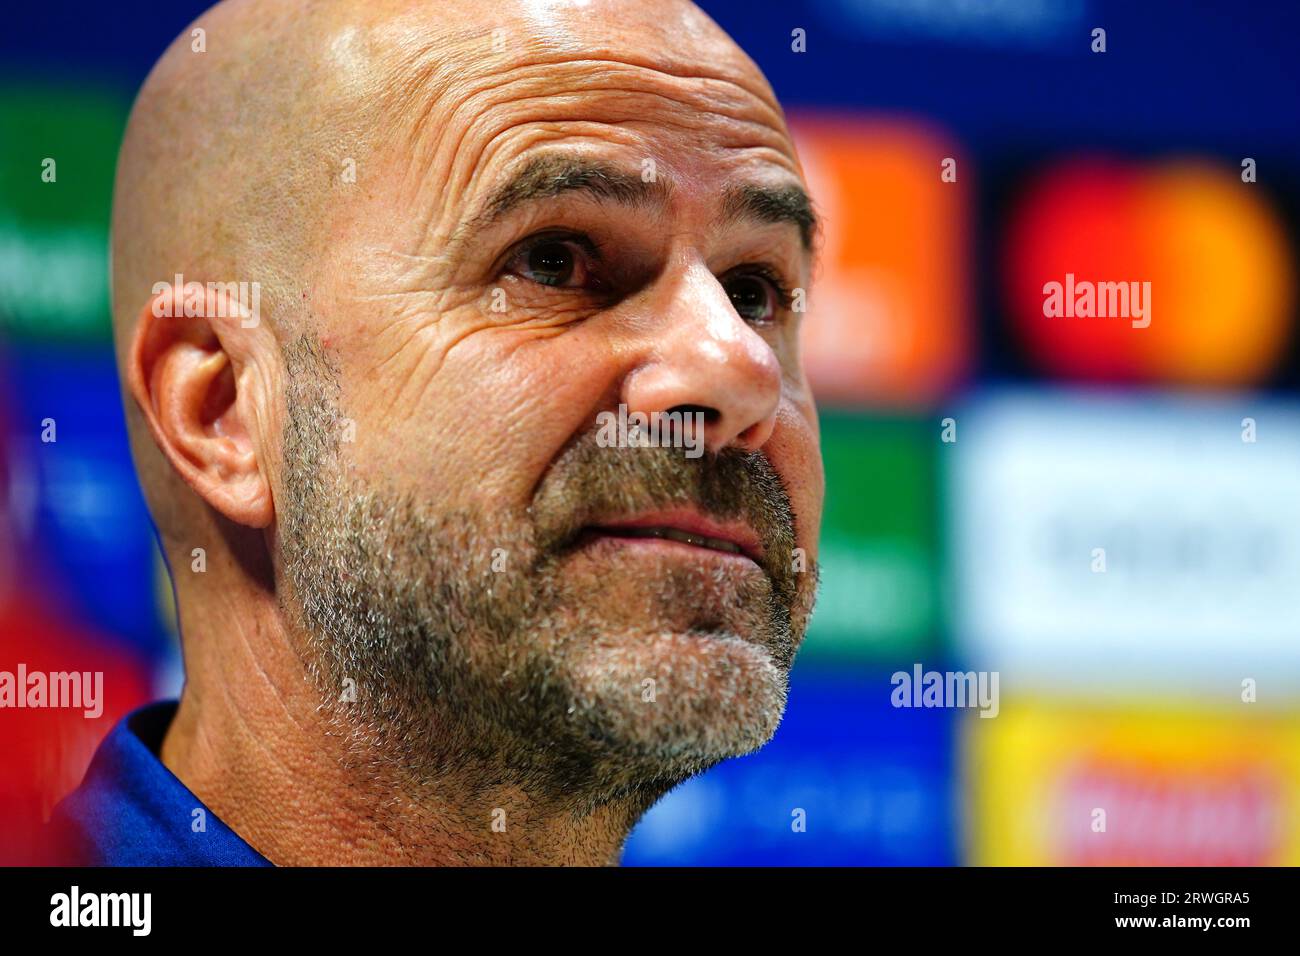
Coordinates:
x,y
130,810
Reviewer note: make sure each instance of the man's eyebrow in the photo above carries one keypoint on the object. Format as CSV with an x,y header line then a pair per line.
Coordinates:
x,y
554,174
774,204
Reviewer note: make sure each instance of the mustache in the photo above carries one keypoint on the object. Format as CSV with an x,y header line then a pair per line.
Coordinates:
x,y
589,484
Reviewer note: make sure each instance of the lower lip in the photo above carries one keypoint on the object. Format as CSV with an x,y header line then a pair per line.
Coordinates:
x,y
662,546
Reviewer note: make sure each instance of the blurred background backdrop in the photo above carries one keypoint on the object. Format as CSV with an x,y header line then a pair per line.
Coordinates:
x,y
978,453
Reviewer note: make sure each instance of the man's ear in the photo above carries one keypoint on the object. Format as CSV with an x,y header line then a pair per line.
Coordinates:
x,y
185,364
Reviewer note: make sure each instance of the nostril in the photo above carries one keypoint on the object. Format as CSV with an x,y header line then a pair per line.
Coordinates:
x,y
711,415
699,421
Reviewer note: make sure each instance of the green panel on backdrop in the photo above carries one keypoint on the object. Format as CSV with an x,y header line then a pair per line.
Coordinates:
x,y
56,182
879,552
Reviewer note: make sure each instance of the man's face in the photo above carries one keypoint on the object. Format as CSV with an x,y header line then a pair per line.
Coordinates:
x,y
573,224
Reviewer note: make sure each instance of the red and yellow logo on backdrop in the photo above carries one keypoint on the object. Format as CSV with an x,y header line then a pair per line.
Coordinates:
x,y
889,318
1061,786
1217,259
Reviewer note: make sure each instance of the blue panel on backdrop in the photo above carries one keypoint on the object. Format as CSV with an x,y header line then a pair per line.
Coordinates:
x,y
874,783
90,523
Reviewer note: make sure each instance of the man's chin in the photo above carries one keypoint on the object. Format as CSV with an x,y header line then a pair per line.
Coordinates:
x,y
679,700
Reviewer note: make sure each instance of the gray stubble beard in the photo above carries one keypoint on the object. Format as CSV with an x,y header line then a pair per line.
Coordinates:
x,y
520,676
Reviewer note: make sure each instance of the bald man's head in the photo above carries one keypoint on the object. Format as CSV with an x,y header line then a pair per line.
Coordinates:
x,y
475,236
254,135
251,130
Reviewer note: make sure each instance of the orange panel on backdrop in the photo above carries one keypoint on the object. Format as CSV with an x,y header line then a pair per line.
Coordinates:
x,y
888,323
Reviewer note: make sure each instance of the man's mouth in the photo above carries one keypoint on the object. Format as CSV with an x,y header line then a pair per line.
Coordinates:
x,y
684,526
674,534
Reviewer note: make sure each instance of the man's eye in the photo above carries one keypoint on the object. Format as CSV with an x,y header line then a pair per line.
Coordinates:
x,y
553,262
752,296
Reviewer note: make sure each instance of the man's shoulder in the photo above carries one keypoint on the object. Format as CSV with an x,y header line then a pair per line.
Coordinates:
x,y
130,810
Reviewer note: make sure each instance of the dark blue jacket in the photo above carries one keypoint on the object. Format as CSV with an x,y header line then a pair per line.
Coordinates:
x,y
130,810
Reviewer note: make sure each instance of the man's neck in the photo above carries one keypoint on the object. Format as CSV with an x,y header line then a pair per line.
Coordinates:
x,y
251,740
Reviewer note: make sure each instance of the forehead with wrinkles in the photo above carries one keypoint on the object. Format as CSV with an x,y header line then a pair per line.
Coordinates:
x,y
651,80
562,49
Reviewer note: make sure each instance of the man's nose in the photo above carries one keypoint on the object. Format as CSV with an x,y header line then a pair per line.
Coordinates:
x,y
701,356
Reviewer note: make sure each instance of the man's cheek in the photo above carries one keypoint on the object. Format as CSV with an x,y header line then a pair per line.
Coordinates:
x,y
794,450
531,390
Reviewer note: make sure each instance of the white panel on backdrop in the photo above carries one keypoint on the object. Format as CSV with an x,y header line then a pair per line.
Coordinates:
x,y
1111,539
